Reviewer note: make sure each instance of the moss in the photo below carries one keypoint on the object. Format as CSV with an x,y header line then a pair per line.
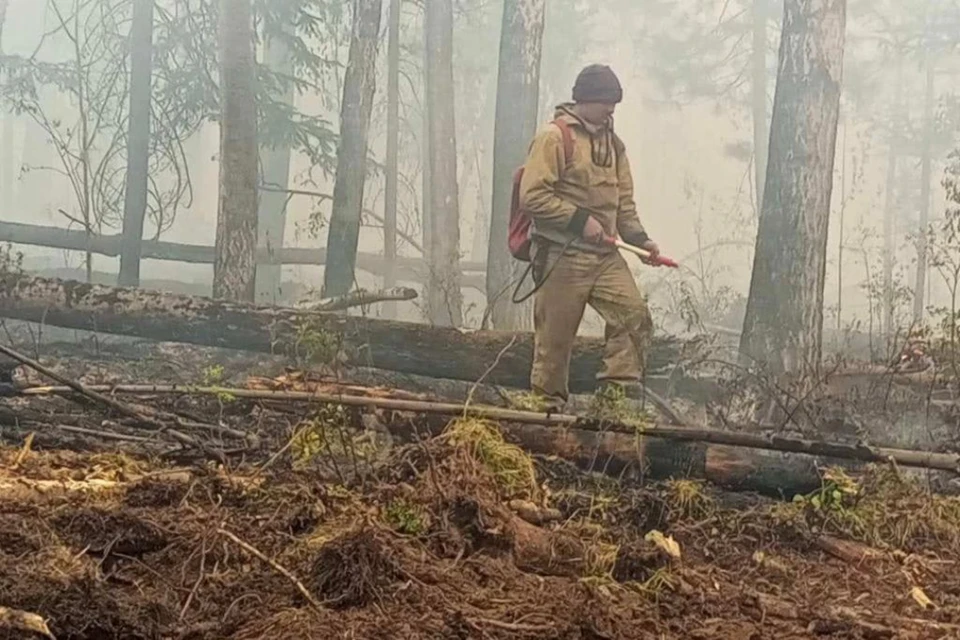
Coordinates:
x,y
510,466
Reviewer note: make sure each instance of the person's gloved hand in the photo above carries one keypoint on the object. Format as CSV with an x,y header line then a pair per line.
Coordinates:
x,y
653,249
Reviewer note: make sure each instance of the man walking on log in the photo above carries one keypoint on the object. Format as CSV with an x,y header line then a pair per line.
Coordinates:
x,y
578,190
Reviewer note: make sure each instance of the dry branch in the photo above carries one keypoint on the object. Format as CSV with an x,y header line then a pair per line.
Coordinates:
x,y
359,298
772,442
273,564
99,398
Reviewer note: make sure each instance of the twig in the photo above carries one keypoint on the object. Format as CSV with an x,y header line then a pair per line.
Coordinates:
x,y
748,440
359,298
514,626
108,402
277,567
102,434
492,366
196,585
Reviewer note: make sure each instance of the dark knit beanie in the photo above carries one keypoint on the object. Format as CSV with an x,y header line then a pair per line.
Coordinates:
x,y
597,83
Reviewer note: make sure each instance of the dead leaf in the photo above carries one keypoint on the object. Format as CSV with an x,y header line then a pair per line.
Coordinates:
x,y
921,598
24,621
665,543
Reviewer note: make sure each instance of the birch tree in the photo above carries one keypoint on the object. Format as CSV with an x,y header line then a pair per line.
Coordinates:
x,y
784,316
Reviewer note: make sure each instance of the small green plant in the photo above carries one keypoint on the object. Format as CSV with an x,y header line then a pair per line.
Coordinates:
x,y
687,499
312,343
319,436
404,517
838,493
610,403
213,375
527,401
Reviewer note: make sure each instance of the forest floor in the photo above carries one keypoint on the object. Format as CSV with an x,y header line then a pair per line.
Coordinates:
x,y
321,528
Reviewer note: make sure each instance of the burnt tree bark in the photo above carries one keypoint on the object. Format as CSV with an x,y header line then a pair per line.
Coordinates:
x,y
444,300
761,130
393,155
138,142
234,271
275,179
396,346
518,97
359,86
784,318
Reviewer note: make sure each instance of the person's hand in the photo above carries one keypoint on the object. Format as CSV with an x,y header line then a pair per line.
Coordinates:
x,y
653,249
593,231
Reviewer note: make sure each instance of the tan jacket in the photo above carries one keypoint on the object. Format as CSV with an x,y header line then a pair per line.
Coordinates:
x,y
597,182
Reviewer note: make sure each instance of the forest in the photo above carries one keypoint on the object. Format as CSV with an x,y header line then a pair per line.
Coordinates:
x,y
264,372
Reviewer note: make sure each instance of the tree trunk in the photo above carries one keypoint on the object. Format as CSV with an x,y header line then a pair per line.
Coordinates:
x,y
920,290
275,169
518,98
889,248
8,166
784,317
234,272
444,300
761,132
359,85
393,156
396,346
138,141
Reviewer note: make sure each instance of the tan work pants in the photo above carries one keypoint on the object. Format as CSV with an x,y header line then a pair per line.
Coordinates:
x,y
579,278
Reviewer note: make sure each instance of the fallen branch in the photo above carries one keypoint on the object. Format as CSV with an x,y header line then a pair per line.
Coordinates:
x,y
850,552
772,442
16,620
99,398
276,566
360,298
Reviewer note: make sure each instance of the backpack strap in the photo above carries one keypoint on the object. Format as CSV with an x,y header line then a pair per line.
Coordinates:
x,y
567,138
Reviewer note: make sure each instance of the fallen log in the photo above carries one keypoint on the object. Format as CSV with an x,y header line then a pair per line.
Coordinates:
x,y
397,346
410,269
559,424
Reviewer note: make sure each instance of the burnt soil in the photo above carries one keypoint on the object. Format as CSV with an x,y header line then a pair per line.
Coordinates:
x,y
426,540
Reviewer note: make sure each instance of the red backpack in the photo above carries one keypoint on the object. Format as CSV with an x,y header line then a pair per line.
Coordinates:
x,y
518,234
